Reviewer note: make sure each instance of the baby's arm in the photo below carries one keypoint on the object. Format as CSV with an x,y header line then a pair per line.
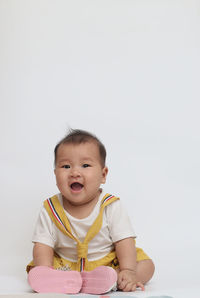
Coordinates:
x,y
126,255
42,255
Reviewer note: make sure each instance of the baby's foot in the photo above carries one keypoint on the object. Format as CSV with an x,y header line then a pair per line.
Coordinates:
x,y
99,281
43,279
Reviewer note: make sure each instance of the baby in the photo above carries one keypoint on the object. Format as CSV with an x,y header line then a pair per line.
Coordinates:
x,y
83,239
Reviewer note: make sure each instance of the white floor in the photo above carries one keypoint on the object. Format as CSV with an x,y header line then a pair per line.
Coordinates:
x,y
177,275
13,285
176,282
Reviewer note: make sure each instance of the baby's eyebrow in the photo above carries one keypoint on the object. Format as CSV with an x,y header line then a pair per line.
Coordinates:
x,y
64,160
88,158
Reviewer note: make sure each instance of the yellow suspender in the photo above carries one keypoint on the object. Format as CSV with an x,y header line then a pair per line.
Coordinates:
x,y
58,216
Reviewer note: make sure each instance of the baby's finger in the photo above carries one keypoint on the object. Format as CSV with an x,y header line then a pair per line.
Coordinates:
x,y
128,287
119,279
122,284
140,285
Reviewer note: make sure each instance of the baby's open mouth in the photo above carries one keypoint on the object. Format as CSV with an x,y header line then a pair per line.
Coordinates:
x,y
76,186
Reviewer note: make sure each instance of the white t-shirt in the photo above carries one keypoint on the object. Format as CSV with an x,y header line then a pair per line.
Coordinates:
x,y
116,226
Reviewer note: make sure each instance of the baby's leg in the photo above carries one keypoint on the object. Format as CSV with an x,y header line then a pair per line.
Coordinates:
x,y
145,270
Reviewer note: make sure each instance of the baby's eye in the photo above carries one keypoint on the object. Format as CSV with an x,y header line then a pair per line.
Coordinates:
x,y
86,165
66,166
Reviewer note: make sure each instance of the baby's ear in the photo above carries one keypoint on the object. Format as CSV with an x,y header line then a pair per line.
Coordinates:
x,y
104,174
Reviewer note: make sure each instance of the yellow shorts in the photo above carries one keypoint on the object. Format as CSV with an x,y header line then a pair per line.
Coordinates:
x,y
109,260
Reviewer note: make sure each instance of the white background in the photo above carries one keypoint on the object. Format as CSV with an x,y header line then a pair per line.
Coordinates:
x,y
127,71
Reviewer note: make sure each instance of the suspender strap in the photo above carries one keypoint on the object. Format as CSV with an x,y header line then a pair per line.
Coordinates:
x,y
57,215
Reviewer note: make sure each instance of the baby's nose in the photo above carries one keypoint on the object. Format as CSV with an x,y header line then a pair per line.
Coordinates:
x,y
75,172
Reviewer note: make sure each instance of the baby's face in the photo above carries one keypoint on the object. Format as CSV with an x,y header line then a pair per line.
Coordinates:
x,y
79,172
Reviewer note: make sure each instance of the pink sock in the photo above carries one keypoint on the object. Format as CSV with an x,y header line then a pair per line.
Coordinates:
x,y
98,281
43,279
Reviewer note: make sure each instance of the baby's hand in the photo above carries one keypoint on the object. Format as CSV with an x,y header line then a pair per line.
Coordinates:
x,y
127,281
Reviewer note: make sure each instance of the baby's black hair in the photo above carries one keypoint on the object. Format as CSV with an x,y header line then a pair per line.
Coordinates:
x,y
78,136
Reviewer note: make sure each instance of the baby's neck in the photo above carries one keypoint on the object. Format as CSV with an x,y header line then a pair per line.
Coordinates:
x,y
81,211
